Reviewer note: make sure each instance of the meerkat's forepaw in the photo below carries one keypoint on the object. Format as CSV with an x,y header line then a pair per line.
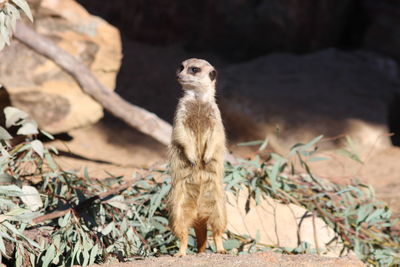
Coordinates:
x,y
207,160
192,162
223,251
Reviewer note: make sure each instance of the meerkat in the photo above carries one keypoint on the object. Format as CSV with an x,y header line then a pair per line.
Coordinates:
x,y
196,155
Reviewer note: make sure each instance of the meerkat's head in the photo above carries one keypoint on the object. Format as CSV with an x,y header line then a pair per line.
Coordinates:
x,y
196,74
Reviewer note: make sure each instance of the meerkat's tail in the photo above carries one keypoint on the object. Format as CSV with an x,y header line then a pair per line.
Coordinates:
x,y
200,227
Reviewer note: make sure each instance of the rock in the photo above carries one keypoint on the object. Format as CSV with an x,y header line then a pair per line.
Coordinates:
x,y
277,224
39,87
331,92
383,30
236,29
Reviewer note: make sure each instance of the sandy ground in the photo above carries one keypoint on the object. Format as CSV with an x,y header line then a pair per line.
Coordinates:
x,y
265,259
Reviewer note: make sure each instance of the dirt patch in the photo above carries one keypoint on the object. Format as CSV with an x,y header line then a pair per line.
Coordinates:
x,y
109,148
265,259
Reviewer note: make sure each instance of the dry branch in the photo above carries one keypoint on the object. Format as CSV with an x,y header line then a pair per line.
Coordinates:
x,y
85,204
135,116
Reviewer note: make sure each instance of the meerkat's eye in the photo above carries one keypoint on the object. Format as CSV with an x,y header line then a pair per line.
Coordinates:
x,y
180,69
194,70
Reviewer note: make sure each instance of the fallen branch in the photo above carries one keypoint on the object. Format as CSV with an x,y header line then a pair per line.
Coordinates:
x,y
136,117
85,204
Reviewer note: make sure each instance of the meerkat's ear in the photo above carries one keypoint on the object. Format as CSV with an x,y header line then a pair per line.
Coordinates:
x,y
213,75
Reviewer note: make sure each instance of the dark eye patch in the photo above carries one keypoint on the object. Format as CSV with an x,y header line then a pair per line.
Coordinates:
x,y
193,70
213,75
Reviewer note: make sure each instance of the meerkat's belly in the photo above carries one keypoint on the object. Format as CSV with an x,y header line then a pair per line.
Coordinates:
x,y
200,121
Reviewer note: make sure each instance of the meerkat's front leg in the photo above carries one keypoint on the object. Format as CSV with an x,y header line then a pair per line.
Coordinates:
x,y
213,142
186,141
190,154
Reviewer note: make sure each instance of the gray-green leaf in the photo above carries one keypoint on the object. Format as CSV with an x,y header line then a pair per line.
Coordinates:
x,y
4,135
31,198
37,146
25,7
13,115
28,129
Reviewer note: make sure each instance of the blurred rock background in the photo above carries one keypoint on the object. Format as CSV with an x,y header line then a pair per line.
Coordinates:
x,y
40,87
306,67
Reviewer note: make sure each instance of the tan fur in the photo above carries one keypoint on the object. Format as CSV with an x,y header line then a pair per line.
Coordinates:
x,y
196,156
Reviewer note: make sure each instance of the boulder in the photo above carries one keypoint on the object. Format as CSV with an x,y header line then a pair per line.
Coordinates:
x,y
382,33
236,29
277,224
294,98
41,88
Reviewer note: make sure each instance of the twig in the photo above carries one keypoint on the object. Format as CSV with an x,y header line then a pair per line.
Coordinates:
x,y
338,222
85,204
315,234
145,243
136,117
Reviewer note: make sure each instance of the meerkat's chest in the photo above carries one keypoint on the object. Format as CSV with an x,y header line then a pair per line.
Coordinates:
x,y
200,116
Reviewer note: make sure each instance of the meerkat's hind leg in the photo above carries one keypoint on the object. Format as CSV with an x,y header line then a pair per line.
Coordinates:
x,y
218,242
218,222
218,226
200,227
183,242
180,226
181,230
